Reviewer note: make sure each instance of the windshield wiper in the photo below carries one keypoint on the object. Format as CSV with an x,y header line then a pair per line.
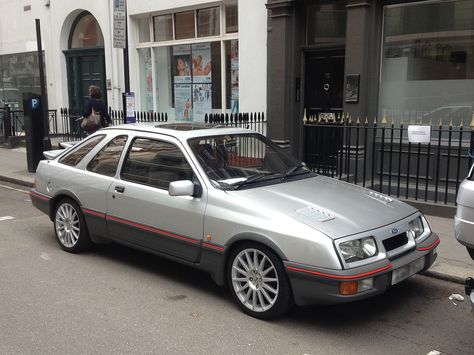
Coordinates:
x,y
292,170
255,178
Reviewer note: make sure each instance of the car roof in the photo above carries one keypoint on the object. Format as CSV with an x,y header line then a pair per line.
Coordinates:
x,y
183,130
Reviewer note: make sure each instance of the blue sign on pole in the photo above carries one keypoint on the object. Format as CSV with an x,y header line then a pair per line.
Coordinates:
x,y
35,103
130,107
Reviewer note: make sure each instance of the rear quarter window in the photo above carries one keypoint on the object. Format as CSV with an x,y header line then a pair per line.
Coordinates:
x,y
78,153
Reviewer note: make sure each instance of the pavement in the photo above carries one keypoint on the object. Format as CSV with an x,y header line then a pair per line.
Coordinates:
x,y
453,264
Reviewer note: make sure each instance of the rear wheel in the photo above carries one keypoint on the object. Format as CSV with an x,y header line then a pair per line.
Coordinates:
x,y
471,252
70,227
258,281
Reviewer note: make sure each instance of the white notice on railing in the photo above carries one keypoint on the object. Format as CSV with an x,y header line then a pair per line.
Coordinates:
x,y
419,134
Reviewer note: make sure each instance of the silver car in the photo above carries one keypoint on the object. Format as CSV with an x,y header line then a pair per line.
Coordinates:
x,y
230,202
464,223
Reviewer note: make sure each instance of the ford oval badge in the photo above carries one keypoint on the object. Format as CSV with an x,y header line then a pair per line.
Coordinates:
x,y
395,231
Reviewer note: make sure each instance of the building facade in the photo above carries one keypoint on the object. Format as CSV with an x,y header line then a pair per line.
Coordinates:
x,y
406,60
402,60
186,58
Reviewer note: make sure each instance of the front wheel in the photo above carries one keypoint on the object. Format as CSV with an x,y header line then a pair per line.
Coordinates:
x,y
258,282
70,227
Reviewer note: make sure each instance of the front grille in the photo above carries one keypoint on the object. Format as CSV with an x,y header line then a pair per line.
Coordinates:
x,y
395,242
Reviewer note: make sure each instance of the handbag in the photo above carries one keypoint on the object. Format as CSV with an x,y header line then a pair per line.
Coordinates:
x,y
91,123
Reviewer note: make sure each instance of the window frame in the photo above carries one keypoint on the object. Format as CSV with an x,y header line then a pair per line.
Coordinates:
x,y
78,146
160,139
102,150
221,38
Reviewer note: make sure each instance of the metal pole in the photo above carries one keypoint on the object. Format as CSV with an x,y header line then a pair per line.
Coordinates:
x,y
46,140
126,69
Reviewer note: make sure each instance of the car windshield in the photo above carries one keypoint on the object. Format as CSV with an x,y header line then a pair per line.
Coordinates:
x,y
244,160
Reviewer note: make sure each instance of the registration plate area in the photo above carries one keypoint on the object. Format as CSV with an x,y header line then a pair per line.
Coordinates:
x,y
408,270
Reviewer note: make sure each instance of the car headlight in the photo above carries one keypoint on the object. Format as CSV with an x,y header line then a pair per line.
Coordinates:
x,y
358,249
417,227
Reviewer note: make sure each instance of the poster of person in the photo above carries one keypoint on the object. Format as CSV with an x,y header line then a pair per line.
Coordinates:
x,y
182,64
201,63
202,101
182,102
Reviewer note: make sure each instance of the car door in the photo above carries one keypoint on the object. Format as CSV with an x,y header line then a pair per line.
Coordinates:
x,y
140,212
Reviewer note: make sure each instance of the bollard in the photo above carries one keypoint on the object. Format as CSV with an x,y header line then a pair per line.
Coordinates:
x,y
7,123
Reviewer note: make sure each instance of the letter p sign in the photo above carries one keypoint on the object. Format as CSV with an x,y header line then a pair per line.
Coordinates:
x,y
35,103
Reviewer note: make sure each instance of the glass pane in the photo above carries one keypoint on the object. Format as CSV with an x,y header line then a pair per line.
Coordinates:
x,y
75,156
428,62
184,25
197,84
164,81
87,33
232,75
106,161
155,163
163,28
231,18
143,30
208,22
146,79
326,24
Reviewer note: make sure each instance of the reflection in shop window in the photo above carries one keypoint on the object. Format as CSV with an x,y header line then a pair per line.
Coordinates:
x,y
163,28
208,22
231,18
146,79
143,30
428,66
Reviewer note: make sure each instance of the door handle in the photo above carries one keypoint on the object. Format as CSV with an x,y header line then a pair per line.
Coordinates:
x,y
120,189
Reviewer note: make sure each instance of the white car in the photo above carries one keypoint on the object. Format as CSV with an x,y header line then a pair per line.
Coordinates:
x,y
464,223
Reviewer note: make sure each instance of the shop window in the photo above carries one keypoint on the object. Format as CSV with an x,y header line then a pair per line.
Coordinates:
x,y
163,28
208,21
184,25
428,66
143,30
326,23
86,33
231,18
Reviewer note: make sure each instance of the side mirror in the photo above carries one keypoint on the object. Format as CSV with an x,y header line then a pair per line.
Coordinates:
x,y
181,188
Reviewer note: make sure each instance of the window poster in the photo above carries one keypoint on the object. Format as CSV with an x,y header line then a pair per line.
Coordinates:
x,y
202,100
148,105
182,102
234,75
182,64
201,63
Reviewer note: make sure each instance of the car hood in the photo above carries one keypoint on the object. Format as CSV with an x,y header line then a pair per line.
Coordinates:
x,y
331,206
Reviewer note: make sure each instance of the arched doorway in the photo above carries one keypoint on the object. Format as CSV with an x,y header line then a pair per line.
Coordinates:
x,y
85,59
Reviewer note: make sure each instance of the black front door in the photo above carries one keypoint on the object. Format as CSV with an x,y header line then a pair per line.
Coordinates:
x,y
85,67
324,83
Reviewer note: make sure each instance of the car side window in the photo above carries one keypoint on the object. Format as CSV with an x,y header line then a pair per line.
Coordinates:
x,y
78,153
155,163
106,161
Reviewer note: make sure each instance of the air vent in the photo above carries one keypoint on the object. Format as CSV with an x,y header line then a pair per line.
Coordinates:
x,y
380,197
315,213
395,242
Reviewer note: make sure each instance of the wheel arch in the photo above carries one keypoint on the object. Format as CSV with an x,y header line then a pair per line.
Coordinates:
x,y
59,196
220,278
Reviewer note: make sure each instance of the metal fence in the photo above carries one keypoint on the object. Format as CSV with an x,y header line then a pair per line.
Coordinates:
x,y
380,156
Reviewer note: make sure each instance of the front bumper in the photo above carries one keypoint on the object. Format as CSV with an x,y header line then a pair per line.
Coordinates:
x,y
313,285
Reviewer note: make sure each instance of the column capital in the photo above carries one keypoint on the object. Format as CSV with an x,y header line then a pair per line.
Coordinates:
x,y
280,8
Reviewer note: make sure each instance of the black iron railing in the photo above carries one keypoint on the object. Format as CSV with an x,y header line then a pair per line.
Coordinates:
x,y
380,156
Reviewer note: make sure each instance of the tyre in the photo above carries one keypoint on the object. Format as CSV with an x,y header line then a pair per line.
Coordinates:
x,y
258,282
70,227
471,252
